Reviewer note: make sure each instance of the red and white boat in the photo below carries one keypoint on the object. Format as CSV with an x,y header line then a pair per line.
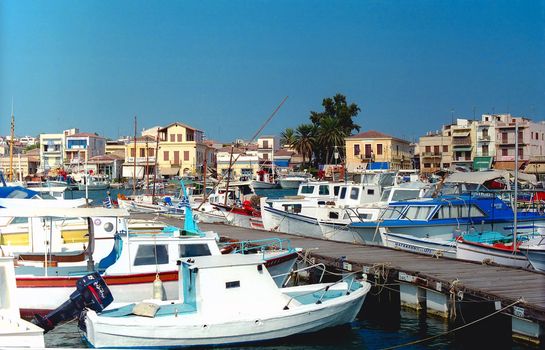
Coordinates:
x,y
134,265
243,216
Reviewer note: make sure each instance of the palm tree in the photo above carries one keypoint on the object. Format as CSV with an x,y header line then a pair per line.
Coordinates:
x,y
287,137
330,134
304,140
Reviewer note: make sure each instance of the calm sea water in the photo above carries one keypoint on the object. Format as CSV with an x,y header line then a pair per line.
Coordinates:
x,y
379,325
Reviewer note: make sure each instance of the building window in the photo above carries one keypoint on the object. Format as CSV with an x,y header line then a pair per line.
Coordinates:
x,y
445,149
368,151
189,135
504,137
436,149
142,152
265,156
180,137
165,155
265,144
485,150
151,152
485,132
379,148
427,165
176,157
504,152
172,138
428,149
186,156
521,153
133,152
356,150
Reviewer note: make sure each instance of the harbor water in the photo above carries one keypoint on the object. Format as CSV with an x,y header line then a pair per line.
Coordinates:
x,y
381,324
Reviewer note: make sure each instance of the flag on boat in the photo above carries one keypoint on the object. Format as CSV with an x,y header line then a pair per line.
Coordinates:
x,y
107,203
184,202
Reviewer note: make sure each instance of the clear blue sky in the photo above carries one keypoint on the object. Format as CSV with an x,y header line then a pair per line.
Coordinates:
x,y
223,66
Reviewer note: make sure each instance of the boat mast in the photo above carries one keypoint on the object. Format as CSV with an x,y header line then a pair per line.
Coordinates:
x,y
11,143
147,165
515,207
134,162
155,166
228,177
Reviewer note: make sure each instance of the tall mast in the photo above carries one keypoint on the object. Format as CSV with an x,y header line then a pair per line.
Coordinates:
x,y
134,162
515,206
12,135
155,166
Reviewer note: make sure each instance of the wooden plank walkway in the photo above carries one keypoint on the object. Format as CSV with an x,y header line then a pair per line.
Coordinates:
x,y
484,282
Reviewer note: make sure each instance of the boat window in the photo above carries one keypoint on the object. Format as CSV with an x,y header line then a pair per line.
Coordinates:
x,y
365,216
150,254
333,215
343,193
458,211
17,194
401,195
187,250
19,220
321,202
418,212
354,193
323,190
336,190
370,192
292,208
307,189
391,213
385,195
233,284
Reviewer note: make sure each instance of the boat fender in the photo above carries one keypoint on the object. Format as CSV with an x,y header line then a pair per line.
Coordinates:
x,y
158,290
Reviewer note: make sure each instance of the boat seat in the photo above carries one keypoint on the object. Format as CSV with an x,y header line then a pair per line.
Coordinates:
x,y
111,258
164,310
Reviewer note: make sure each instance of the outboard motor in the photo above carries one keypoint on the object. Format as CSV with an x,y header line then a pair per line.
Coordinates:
x,y
91,292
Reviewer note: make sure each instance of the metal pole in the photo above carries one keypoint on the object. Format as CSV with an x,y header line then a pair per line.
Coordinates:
x,y
515,208
134,162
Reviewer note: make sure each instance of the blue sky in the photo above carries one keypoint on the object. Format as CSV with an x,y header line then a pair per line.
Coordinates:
x,y
224,66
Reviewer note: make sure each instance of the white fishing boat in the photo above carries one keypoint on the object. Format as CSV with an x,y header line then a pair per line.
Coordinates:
x,y
501,253
534,249
92,183
293,180
130,262
15,332
434,246
226,300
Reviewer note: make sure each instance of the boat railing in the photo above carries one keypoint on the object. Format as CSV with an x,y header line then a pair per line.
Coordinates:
x,y
293,272
261,245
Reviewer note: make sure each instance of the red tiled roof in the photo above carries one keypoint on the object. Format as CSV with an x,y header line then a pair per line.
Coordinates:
x,y
84,134
371,134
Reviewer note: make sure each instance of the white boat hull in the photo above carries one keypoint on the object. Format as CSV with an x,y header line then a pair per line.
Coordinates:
x,y
435,247
248,326
476,252
264,185
296,224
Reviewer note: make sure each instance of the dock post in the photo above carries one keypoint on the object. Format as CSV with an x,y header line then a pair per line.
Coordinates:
x,y
411,296
524,329
437,303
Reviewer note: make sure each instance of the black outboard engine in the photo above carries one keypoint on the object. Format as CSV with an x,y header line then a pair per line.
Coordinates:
x,y
91,292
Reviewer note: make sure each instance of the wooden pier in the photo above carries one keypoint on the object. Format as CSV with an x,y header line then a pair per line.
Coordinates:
x,y
436,284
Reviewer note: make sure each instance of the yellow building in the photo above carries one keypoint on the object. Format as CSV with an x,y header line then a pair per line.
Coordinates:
x,y
244,163
375,150
181,150
143,152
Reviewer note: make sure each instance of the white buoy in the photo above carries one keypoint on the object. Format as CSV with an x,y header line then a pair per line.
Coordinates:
x,y
158,291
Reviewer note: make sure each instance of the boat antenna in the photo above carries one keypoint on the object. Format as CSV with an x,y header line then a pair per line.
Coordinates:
x,y
252,139
11,143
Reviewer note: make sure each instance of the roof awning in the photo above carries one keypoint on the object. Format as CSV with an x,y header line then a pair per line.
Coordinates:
x,y
535,168
169,171
504,165
462,149
482,163
463,133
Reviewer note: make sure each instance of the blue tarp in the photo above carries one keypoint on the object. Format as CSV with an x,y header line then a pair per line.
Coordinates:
x,y
378,165
282,163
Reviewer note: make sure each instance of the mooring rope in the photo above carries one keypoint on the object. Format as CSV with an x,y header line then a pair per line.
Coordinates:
x,y
521,300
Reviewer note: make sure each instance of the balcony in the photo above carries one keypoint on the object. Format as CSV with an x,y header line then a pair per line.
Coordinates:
x,y
510,141
484,138
461,141
142,160
431,155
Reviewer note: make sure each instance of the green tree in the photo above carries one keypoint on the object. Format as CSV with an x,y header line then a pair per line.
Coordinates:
x,y
287,137
304,140
330,136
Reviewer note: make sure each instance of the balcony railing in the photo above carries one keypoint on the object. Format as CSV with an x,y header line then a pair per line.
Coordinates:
x,y
431,154
150,159
461,141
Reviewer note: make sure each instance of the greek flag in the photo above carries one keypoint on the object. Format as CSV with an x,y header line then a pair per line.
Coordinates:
x,y
184,202
107,203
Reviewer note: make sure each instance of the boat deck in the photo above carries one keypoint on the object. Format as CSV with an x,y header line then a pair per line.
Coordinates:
x,y
474,280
